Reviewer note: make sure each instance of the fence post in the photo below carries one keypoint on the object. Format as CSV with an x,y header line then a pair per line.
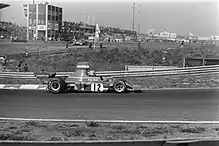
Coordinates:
x,y
184,62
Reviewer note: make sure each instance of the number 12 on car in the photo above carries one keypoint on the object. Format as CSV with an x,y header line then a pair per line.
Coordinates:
x,y
96,87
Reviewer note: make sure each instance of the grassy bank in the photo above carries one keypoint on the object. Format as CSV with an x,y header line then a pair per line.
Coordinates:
x,y
111,57
73,131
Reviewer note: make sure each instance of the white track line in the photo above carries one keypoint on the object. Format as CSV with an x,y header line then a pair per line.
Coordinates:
x,y
160,89
111,121
43,87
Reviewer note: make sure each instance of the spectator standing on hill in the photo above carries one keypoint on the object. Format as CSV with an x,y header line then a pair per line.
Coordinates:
x,y
139,44
90,46
4,68
4,60
42,71
25,68
27,54
19,66
67,46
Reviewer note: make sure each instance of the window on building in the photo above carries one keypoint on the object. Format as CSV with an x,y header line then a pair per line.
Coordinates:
x,y
41,22
53,8
49,17
49,7
60,17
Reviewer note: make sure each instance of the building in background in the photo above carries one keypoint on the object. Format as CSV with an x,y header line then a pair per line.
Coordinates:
x,y
44,21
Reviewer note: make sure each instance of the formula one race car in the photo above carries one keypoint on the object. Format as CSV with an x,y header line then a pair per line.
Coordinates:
x,y
82,80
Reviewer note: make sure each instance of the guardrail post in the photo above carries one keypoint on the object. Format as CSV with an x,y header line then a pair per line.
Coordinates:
x,y
203,61
184,62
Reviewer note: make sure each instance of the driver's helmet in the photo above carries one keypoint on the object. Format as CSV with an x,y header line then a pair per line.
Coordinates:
x,y
92,73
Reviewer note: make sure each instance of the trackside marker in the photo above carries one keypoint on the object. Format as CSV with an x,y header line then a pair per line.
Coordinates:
x,y
11,88
112,121
2,86
29,86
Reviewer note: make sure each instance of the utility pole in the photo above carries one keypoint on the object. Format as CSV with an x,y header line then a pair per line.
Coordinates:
x,y
33,7
133,20
133,23
139,20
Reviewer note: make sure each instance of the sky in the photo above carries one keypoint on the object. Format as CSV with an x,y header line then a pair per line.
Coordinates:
x,y
200,17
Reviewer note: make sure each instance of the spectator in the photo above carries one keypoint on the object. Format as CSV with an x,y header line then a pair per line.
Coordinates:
x,y
42,71
27,54
67,46
19,66
4,61
90,46
139,44
25,68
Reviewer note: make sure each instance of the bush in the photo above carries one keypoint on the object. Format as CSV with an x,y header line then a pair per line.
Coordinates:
x,y
92,124
192,130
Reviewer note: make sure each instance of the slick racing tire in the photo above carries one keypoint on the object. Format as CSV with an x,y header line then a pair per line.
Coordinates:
x,y
56,85
119,86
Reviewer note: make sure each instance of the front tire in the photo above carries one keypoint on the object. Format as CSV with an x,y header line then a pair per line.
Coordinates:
x,y
56,85
119,86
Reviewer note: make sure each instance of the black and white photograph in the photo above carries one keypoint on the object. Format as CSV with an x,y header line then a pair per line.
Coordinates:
x,y
109,72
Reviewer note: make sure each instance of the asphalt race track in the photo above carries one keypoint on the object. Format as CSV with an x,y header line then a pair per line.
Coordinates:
x,y
151,105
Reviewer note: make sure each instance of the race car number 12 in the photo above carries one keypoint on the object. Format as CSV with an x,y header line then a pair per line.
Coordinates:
x,y
96,87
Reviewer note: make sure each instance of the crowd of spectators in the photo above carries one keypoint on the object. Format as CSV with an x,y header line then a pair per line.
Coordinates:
x,y
77,28
8,30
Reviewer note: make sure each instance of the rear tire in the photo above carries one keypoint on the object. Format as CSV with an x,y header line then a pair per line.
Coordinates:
x,y
56,85
119,86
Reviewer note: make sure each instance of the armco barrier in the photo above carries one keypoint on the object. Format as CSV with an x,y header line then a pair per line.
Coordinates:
x,y
161,142
101,72
144,74
155,73
166,74
159,72
112,73
187,68
140,68
31,75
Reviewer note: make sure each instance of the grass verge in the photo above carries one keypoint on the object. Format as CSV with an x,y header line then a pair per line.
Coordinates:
x,y
74,131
